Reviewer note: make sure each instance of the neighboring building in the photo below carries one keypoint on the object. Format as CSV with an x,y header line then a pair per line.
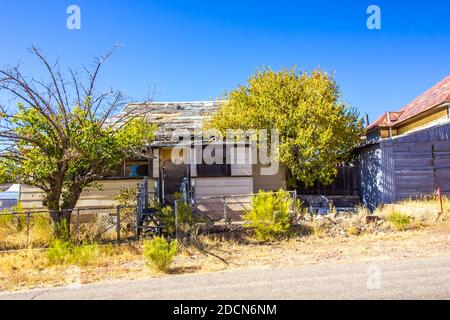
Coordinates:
x,y
9,196
167,178
407,152
428,109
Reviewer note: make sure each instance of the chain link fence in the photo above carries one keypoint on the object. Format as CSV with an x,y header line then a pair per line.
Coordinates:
x,y
35,229
221,213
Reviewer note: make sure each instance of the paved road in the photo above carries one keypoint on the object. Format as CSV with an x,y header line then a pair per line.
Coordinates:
x,y
404,279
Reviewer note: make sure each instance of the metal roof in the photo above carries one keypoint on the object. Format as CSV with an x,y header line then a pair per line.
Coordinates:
x,y
436,96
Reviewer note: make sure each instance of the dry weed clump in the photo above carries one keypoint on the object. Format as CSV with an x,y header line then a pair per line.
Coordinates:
x,y
401,216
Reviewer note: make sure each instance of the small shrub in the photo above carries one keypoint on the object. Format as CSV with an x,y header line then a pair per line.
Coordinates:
x,y
318,231
159,254
84,255
352,231
399,221
61,230
58,252
186,219
127,197
62,252
168,220
269,215
185,213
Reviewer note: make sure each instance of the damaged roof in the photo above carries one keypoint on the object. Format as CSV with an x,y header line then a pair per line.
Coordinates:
x,y
171,117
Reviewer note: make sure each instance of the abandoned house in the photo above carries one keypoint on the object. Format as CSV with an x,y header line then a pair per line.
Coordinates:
x,y
165,177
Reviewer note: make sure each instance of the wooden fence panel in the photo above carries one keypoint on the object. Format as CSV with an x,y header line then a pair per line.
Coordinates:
x,y
346,183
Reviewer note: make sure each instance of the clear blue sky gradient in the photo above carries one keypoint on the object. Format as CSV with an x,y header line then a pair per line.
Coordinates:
x,y
196,50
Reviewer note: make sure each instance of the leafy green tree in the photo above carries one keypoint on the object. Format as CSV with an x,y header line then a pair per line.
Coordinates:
x,y
316,129
62,135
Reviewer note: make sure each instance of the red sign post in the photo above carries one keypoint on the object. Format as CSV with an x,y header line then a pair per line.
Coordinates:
x,y
439,194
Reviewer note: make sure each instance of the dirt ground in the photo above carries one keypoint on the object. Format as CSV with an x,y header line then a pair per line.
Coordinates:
x,y
29,269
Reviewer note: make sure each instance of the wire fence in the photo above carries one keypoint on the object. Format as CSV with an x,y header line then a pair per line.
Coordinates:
x,y
35,229
221,213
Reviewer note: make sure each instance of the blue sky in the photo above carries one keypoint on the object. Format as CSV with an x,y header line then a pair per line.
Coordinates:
x,y
195,50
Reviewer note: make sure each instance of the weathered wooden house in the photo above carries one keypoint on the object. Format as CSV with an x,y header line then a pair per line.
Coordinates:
x,y
166,176
407,152
181,120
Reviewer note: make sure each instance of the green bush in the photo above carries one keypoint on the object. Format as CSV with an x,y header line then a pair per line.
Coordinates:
x,y
127,197
186,218
62,252
168,220
84,255
61,230
58,252
399,221
269,215
185,213
159,253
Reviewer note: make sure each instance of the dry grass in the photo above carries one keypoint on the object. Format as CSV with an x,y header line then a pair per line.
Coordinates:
x,y
423,211
345,239
14,233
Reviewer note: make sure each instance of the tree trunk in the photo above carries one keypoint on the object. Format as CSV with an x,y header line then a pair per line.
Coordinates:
x,y
61,224
60,218
65,213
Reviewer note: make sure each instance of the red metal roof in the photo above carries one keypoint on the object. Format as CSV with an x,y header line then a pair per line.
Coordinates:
x,y
383,121
434,97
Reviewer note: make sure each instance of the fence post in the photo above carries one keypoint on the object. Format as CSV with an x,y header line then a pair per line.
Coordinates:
x,y
295,208
77,227
176,219
28,228
118,224
225,217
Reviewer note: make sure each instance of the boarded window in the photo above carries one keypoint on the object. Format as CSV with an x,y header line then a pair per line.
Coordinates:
x,y
216,169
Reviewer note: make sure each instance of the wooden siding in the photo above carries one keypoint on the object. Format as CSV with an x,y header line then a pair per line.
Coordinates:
x,y
436,117
385,133
223,186
155,166
31,197
241,163
268,183
408,166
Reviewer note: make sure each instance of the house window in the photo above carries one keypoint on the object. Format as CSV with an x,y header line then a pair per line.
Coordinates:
x,y
216,169
137,169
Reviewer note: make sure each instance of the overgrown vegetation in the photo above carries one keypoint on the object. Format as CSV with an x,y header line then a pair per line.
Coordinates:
x,y
399,220
159,253
15,234
316,129
185,219
167,219
58,134
270,215
62,252
317,239
127,201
